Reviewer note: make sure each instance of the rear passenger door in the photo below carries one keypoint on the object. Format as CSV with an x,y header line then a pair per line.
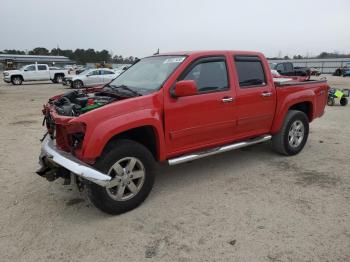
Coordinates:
x,y
43,72
256,96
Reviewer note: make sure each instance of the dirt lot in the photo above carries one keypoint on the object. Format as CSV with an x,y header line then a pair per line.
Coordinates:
x,y
247,205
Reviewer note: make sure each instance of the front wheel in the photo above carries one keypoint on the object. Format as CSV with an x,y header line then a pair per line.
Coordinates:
x,y
16,80
293,135
58,79
132,168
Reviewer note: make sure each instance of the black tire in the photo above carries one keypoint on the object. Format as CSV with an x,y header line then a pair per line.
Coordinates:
x,y
343,101
101,197
281,142
58,79
16,80
78,84
53,81
330,101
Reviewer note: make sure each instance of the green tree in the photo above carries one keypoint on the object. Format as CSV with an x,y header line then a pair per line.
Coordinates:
x,y
39,51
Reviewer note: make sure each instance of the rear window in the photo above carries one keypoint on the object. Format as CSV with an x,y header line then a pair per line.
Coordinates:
x,y
42,67
250,71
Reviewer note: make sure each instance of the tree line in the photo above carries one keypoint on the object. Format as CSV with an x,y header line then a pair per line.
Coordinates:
x,y
80,56
322,55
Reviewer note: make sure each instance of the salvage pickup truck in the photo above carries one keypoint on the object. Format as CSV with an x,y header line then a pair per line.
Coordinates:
x,y
174,108
34,72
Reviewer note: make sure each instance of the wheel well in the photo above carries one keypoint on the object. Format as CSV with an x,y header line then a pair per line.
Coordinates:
x,y
58,74
305,107
17,76
144,135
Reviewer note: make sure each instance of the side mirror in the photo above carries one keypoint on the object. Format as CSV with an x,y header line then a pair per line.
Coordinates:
x,y
185,88
25,70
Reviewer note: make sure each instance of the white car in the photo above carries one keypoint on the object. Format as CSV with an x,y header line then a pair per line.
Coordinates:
x,y
34,72
91,77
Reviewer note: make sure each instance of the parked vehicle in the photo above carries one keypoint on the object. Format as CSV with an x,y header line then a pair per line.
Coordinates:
x,y
315,71
67,80
288,69
278,77
334,94
342,70
91,77
346,72
174,107
34,72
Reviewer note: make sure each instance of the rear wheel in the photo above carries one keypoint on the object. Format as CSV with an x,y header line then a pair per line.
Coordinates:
x,y
16,80
132,167
330,101
78,84
293,135
343,101
58,79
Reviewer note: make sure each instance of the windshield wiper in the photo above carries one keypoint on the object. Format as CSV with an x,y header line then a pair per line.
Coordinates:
x,y
125,88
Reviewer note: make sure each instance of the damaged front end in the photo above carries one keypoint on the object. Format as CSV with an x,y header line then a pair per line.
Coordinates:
x,y
61,150
57,163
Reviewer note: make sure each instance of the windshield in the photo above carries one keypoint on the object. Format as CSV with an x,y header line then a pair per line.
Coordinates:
x,y
148,75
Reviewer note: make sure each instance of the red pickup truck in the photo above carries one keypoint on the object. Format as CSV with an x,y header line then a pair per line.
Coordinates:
x,y
174,107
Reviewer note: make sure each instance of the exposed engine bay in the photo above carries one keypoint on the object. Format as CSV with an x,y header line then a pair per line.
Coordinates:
x,y
77,102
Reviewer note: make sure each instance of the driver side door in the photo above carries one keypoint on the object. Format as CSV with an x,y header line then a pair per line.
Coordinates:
x,y
93,78
30,73
204,119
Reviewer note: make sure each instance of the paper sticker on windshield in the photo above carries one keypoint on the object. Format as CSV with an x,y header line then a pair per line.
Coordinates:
x,y
174,60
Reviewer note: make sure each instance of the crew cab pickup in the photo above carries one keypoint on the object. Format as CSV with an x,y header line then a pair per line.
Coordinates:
x,y
174,108
34,72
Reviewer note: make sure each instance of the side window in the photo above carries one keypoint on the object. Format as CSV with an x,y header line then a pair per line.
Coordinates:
x,y
289,67
30,68
95,72
250,71
42,67
105,72
209,76
280,68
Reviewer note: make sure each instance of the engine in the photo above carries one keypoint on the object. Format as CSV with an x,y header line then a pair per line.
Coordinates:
x,y
78,102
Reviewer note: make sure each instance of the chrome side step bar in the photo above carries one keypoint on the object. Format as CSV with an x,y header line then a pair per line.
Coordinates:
x,y
217,150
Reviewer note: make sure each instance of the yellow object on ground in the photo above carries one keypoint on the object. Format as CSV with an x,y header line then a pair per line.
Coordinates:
x,y
338,94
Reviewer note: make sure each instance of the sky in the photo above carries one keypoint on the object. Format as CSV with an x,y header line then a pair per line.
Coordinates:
x,y
140,27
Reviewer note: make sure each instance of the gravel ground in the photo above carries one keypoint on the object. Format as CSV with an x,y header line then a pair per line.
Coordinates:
x,y
246,205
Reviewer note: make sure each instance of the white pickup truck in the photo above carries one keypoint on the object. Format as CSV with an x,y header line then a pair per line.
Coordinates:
x,y
34,72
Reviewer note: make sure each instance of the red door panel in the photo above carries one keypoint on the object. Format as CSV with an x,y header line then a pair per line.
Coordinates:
x,y
256,101
198,120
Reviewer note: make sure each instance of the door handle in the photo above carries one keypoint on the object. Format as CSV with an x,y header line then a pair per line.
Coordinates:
x,y
266,94
227,99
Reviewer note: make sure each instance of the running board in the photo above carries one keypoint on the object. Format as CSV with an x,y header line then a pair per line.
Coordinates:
x,y
217,150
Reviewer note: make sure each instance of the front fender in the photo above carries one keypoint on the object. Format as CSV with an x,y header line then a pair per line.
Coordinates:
x,y
97,138
286,101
